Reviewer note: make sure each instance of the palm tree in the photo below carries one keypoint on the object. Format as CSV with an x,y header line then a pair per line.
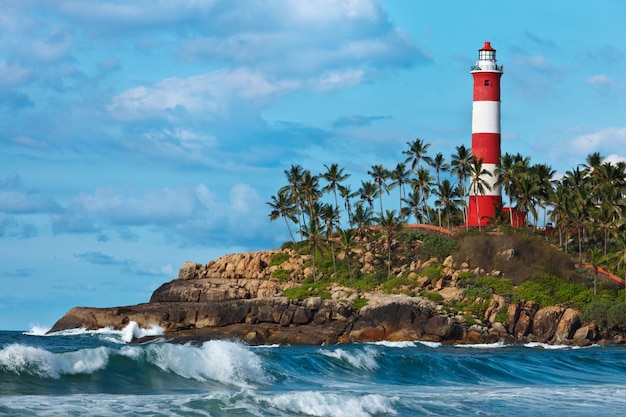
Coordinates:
x,y
347,243
390,224
309,189
313,233
559,213
329,216
368,192
461,168
333,176
417,151
423,184
527,195
448,199
347,194
594,259
363,220
438,162
543,174
294,178
380,176
507,176
399,177
282,206
413,205
478,184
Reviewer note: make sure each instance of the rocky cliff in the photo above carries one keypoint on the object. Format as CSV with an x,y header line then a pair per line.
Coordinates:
x,y
238,297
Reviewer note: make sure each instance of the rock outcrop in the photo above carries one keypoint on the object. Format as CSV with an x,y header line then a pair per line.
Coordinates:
x,y
241,296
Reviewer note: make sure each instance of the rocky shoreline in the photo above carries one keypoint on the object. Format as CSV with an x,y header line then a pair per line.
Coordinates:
x,y
236,297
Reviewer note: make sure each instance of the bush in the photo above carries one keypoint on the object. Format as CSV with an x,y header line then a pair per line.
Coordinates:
x,y
393,284
359,303
502,317
466,278
306,290
278,258
606,314
474,292
433,273
438,246
282,275
435,297
546,289
501,286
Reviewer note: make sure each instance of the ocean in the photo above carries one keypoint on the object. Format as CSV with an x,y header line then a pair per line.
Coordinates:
x,y
98,373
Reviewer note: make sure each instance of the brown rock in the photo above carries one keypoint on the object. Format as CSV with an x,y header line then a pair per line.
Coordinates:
x,y
569,323
546,321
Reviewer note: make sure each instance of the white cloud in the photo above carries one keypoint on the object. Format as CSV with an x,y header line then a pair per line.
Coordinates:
x,y
614,158
192,214
536,63
209,95
600,79
603,140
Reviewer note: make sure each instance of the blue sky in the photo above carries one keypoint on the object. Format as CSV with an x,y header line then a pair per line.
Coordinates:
x,y
138,135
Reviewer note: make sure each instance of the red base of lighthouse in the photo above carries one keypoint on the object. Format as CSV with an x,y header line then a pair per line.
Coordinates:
x,y
481,214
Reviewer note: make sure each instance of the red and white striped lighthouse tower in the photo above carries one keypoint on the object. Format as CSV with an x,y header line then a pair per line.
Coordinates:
x,y
486,134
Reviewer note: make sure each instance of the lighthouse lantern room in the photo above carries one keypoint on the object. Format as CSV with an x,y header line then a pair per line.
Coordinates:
x,y
486,136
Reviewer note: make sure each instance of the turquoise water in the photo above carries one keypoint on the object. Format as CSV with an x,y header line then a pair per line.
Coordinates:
x,y
98,374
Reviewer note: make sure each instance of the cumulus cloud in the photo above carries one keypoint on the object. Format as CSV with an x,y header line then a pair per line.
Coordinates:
x,y
208,94
190,214
16,199
603,140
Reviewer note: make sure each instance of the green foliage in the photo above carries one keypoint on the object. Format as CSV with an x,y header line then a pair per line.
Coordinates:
x,y
283,275
546,290
306,290
501,286
606,314
481,291
278,258
367,282
438,246
502,317
392,285
433,273
465,279
359,303
435,297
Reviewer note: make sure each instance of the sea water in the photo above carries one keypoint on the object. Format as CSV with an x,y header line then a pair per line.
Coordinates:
x,y
98,373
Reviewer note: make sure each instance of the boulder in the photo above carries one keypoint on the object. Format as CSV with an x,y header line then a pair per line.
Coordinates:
x,y
567,327
546,321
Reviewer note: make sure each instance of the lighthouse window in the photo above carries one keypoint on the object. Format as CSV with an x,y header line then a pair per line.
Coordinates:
x,y
487,84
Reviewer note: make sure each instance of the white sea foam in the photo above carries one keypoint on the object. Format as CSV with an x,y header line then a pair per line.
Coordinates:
x,y
430,344
547,346
226,362
361,359
133,331
330,405
484,345
126,335
395,344
22,359
37,331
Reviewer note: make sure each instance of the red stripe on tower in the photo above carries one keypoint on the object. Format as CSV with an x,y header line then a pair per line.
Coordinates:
x,y
486,134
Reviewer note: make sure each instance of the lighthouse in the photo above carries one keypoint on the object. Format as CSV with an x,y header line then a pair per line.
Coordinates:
x,y
486,135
